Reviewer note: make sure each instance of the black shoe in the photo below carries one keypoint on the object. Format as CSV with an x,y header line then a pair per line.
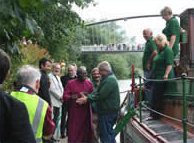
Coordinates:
x,y
62,136
53,139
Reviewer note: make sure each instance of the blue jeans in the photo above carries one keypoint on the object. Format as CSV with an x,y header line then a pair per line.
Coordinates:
x,y
147,85
105,128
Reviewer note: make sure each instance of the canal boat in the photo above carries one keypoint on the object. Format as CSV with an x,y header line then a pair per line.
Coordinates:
x,y
177,122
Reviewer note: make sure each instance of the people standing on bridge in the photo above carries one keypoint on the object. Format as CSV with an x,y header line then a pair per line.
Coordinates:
x,y
162,69
108,102
56,93
45,67
39,111
14,121
64,79
172,30
96,77
150,52
80,128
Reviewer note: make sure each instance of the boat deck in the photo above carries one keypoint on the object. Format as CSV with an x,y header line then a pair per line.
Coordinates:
x,y
161,129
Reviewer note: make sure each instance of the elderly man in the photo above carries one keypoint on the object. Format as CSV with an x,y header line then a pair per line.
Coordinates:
x,y
148,56
14,121
80,129
108,102
39,111
56,91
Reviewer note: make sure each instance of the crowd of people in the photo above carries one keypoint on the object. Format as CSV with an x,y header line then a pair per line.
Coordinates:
x,y
159,57
44,107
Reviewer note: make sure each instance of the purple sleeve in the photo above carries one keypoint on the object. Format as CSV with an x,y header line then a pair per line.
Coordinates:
x,y
67,92
49,125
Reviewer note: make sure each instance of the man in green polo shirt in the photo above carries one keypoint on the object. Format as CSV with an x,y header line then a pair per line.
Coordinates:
x,y
172,30
149,53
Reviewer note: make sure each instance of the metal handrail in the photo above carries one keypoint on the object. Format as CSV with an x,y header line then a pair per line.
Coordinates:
x,y
184,120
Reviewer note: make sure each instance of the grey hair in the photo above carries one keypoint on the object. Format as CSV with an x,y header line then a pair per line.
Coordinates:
x,y
28,75
83,67
94,69
149,30
55,64
166,11
104,66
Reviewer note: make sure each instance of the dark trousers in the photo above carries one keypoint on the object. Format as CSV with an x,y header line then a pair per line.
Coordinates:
x,y
105,128
157,98
56,115
63,118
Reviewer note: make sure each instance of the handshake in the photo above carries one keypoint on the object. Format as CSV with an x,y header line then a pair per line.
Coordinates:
x,y
83,99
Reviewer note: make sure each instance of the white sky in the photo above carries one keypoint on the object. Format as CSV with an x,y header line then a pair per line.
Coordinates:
x,y
110,9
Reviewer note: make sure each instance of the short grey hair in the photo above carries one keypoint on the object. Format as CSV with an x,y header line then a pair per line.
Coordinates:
x,y
104,66
55,64
28,75
166,11
83,67
149,30
94,69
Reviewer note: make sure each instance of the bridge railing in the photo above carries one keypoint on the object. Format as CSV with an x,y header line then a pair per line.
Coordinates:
x,y
111,47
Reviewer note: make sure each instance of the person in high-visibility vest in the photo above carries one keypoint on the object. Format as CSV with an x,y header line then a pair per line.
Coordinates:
x,y
14,121
39,111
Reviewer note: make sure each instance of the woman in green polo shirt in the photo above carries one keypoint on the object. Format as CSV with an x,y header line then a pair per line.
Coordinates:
x,y
172,29
162,69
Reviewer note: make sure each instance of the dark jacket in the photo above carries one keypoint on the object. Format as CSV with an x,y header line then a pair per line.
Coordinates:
x,y
65,79
14,121
44,87
107,95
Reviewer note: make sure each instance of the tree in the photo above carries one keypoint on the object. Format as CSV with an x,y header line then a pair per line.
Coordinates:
x,y
22,18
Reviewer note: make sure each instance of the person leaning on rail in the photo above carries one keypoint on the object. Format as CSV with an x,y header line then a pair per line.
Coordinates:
x,y
40,114
150,52
14,121
162,70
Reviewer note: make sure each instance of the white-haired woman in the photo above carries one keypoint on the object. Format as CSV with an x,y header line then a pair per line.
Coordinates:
x,y
162,69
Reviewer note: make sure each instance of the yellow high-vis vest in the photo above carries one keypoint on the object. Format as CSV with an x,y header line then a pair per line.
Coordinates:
x,y
37,108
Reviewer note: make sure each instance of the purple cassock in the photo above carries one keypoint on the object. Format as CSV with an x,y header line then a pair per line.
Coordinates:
x,y
80,129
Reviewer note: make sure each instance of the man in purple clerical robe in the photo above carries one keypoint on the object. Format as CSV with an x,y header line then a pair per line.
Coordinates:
x,y
80,129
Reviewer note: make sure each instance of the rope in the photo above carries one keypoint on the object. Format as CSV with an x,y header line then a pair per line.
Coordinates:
x,y
123,103
191,78
125,91
161,80
190,124
175,119
171,79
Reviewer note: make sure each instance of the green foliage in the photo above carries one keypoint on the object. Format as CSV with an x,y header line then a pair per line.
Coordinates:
x,y
121,63
118,64
27,56
49,22
109,33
